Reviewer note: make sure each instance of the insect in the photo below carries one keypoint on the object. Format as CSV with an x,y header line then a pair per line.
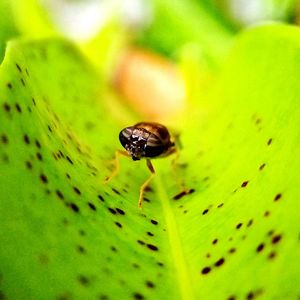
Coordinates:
x,y
144,140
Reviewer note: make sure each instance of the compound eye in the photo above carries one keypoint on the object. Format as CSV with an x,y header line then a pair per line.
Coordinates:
x,y
125,136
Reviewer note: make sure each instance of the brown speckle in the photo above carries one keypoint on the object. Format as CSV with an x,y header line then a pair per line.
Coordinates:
x,y
244,184
152,247
260,247
276,239
277,197
205,270
219,262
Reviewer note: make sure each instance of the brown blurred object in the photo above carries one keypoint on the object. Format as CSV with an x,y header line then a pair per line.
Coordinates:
x,y
150,84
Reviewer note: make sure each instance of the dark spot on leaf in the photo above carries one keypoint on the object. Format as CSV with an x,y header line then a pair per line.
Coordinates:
x,y
4,139
260,247
250,222
44,178
76,190
262,167
37,143
214,241
6,107
141,242
81,232
33,101
154,222
26,139
19,68
272,255
180,195
160,264
205,270
277,197
80,249
100,198
49,128
183,193
113,249
112,210
220,205
91,206
118,224
232,250
9,85
150,233
69,160
150,284
59,194
28,165
267,213
205,212
138,296
219,262
18,108
152,247
148,189
276,239
238,226
83,280
74,207
244,184
23,82
115,191
136,266
120,211
39,156
231,297
270,142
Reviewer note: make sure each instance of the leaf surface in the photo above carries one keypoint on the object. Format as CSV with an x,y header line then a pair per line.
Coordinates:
x,y
69,236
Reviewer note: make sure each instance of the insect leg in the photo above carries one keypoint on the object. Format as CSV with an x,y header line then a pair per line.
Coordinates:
x,y
146,183
116,165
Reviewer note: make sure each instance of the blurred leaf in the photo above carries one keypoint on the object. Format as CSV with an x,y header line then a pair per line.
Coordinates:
x,y
177,23
32,19
68,236
7,26
245,13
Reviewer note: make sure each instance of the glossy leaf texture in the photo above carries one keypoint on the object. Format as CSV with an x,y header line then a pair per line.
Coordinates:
x,y
234,235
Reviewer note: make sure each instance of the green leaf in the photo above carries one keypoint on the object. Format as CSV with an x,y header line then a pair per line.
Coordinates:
x,y
8,28
66,235
193,23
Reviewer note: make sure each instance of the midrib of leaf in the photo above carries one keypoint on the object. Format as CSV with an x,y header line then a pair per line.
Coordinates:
x,y
182,275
